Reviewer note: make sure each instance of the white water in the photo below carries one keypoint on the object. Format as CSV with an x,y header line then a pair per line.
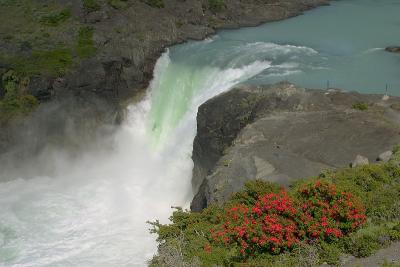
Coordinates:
x,y
93,210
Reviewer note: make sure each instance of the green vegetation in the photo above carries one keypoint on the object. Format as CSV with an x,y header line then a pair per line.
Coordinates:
x,y
91,5
156,3
191,237
57,18
361,106
216,5
390,264
85,47
54,62
118,4
15,101
41,34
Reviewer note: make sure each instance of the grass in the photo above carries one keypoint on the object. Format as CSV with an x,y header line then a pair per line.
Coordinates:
x,y
91,5
43,32
53,62
361,106
56,18
85,46
216,5
377,185
156,3
118,4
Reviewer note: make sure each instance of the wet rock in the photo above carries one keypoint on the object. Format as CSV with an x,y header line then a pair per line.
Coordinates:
x,y
393,49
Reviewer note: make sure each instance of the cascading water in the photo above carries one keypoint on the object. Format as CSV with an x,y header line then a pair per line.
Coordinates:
x,y
92,210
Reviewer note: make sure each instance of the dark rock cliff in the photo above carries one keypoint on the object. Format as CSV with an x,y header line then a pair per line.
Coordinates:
x,y
113,60
130,39
281,133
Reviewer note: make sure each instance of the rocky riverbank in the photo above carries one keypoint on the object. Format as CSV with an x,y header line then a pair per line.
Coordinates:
x,y
86,58
128,38
282,133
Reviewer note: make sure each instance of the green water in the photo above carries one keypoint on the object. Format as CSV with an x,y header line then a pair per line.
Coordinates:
x,y
340,46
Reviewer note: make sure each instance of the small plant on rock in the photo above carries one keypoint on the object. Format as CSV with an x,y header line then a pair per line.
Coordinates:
x,y
361,106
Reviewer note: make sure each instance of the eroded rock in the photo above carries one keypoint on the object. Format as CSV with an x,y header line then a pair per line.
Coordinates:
x,y
260,132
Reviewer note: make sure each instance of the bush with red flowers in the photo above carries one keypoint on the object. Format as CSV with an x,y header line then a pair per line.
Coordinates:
x,y
268,226
278,221
328,213
313,222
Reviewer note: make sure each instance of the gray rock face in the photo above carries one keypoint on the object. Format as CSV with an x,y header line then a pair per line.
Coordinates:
x,y
359,161
281,133
385,156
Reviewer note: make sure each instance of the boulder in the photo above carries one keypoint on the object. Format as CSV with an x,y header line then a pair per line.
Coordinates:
x,y
385,156
359,161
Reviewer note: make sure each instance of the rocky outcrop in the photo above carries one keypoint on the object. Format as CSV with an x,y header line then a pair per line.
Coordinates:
x,y
128,42
281,133
393,49
130,39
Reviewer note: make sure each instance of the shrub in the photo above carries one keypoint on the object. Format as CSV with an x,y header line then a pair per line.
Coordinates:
x,y
56,19
330,253
361,106
252,190
363,246
377,185
156,3
216,5
268,226
313,222
118,4
91,5
328,214
85,47
15,102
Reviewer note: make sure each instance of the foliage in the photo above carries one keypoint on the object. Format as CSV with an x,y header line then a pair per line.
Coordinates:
x,y
268,226
91,5
118,4
56,18
277,221
390,264
216,5
51,62
156,3
85,47
329,213
378,186
15,102
361,106
315,221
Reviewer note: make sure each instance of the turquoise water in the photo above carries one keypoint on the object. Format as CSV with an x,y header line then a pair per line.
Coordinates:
x,y
348,36
340,46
